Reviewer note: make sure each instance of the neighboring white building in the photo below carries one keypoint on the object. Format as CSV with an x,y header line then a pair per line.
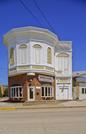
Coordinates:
x,y
63,71
40,60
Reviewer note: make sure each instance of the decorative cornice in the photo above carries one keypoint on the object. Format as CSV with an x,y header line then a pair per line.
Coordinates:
x,y
31,32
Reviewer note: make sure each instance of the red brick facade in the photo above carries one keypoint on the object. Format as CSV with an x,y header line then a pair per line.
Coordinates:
x,y
28,81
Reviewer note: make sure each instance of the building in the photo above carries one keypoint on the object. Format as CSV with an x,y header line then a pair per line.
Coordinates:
x,y
79,85
40,66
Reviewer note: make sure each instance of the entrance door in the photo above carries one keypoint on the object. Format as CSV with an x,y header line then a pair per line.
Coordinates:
x,y
62,92
31,94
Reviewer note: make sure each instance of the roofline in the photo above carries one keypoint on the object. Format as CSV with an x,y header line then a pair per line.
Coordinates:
x,y
26,29
79,73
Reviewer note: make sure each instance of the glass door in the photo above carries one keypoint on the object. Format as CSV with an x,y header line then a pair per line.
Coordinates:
x,y
31,94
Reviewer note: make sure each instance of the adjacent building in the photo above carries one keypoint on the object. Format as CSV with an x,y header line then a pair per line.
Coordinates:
x,y
40,65
79,85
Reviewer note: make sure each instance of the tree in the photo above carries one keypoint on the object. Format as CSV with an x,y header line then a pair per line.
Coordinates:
x,y
6,92
0,93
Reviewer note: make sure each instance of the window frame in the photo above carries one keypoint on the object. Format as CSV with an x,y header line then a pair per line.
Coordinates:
x,y
23,53
63,62
12,56
37,53
46,91
14,93
49,55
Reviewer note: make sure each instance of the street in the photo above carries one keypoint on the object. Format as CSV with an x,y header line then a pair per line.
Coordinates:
x,y
43,121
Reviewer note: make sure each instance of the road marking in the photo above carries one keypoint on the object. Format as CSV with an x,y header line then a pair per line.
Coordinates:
x,y
7,108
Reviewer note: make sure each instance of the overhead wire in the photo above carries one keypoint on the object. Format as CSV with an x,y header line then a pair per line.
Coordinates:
x,y
43,15
29,11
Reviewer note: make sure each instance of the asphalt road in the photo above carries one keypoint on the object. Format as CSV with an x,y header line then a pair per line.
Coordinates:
x,y
43,121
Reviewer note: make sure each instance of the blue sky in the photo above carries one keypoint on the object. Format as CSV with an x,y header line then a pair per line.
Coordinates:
x,y
67,17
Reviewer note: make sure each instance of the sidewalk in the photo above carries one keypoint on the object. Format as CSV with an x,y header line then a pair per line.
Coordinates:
x,y
57,104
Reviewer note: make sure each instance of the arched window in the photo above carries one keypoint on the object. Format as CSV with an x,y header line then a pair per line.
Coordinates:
x,y
37,54
49,55
11,56
23,53
63,62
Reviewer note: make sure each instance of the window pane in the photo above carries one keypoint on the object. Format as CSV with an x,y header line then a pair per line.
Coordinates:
x,y
60,62
45,91
82,90
42,91
37,55
16,92
11,92
66,63
49,56
20,92
11,55
23,55
49,91
63,62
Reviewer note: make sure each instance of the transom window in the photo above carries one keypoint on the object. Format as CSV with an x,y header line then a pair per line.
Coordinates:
x,y
16,92
49,55
46,91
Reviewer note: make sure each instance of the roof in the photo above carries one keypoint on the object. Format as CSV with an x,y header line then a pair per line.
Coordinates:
x,y
26,30
25,34
79,74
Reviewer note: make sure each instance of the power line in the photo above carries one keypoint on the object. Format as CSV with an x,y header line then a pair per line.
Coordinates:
x,y
29,11
42,13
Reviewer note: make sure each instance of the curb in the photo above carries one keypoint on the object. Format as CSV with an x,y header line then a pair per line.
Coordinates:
x,y
58,107
51,107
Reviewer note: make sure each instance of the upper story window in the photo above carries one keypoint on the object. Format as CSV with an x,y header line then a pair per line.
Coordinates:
x,y
63,62
23,53
11,56
49,55
37,50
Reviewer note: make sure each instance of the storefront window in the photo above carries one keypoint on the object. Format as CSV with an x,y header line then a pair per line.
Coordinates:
x,y
47,91
20,91
16,92
42,91
83,90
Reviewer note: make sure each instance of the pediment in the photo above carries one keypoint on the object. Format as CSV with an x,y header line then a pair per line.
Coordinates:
x,y
63,55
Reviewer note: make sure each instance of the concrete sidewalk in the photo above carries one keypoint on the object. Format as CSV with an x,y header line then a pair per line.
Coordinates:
x,y
60,104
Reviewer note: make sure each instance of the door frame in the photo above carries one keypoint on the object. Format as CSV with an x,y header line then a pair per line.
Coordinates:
x,y
33,93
